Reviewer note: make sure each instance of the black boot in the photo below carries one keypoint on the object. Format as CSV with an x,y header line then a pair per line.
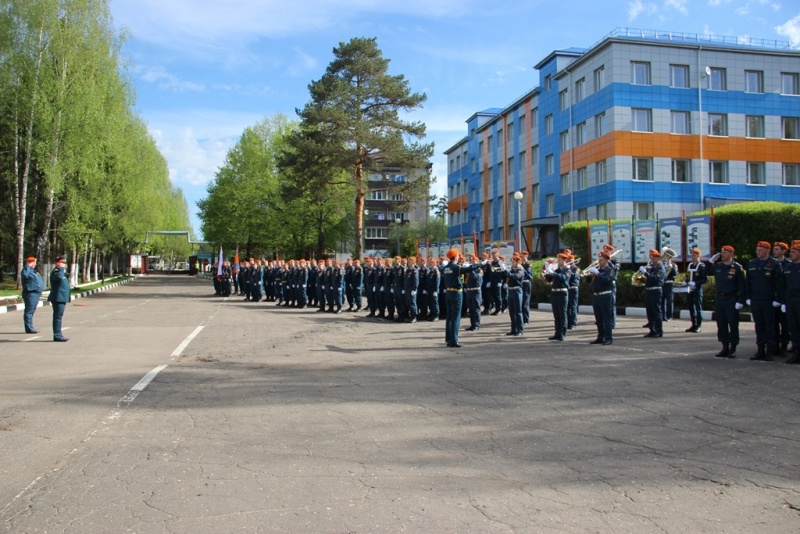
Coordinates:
x,y
775,350
784,347
795,357
724,352
732,351
761,354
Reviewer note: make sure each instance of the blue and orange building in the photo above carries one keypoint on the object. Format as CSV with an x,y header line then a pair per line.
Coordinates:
x,y
641,125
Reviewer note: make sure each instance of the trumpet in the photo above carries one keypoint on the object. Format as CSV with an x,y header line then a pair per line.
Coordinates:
x,y
548,267
596,263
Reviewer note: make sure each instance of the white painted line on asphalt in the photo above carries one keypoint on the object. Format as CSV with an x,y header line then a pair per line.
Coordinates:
x,y
31,338
186,342
138,388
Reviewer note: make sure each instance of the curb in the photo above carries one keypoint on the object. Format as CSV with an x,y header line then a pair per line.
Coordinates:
x,y
642,312
42,303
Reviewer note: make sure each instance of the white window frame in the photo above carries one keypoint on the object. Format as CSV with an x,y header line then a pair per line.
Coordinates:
x,y
639,115
680,122
548,124
723,121
639,164
601,171
551,204
722,166
549,165
644,211
580,134
682,168
563,100
789,83
756,173
790,173
790,128
718,79
599,78
684,70
582,179
566,184
579,89
640,73
602,211
754,126
599,124
752,77
563,141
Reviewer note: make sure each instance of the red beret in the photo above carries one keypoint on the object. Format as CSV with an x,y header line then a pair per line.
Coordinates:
x,y
781,244
604,254
452,253
764,244
728,248
563,256
30,258
655,252
695,251
608,247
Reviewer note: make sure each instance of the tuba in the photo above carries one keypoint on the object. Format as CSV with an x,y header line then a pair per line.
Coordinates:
x,y
667,254
639,278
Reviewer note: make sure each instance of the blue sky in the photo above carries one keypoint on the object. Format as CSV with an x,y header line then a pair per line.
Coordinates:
x,y
204,70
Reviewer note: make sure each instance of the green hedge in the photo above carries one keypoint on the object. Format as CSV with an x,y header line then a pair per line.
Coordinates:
x,y
743,225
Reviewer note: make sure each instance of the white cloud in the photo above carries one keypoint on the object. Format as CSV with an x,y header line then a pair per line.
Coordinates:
x,y
637,7
791,30
677,5
165,80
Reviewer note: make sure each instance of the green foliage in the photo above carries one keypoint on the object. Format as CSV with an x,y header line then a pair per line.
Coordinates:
x,y
575,236
743,225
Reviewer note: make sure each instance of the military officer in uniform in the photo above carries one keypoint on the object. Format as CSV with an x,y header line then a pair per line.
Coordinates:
x,y
452,274
473,289
667,296
513,281
432,285
655,274
32,287
764,276
791,300
574,291
559,297
527,281
357,281
603,279
398,278
696,272
59,295
731,291
410,286
782,336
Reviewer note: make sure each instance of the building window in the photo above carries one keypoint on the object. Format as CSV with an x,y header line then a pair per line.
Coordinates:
x,y
717,80
679,76
791,174
789,83
680,122
551,204
641,120
535,194
717,124
565,185
534,155
548,82
548,164
754,125
375,177
599,78
376,233
579,85
681,170
534,118
565,218
563,100
789,126
499,138
548,124
393,216
640,73
582,180
500,204
583,214
599,125
378,194
510,134
401,178
600,170
564,140
643,211
396,197
753,81
755,173
602,211
642,169
522,125
522,162
580,134
718,172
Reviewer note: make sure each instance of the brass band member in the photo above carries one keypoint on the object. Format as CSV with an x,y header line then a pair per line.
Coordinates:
x,y
696,271
559,279
654,274
514,277
602,290
764,276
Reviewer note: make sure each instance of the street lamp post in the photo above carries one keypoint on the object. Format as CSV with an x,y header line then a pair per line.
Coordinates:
x,y
364,233
397,222
518,195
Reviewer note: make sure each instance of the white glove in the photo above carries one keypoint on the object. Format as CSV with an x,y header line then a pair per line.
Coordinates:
x,y
783,308
776,304
738,305
692,284
643,269
381,289
714,258
424,291
505,286
594,271
413,293
402,291
747,302
390,291
323,288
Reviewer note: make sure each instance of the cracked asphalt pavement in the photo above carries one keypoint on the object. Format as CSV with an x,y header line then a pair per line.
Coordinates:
x,y
288,420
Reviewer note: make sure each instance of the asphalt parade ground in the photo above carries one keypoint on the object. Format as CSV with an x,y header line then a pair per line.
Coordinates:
x,y
173,411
